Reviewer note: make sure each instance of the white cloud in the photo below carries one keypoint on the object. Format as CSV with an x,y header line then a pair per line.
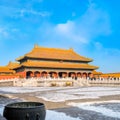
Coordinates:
x,y
92,24
15,12
65,28
8,33
34,12
3,33
69,31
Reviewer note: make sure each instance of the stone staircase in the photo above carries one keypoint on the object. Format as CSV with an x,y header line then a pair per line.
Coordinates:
x,y
81,83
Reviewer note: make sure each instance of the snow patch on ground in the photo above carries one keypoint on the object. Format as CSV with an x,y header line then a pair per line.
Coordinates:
x,y
60,94
30,89
71,90
1,109
95,94
26,89
103,110
90,89
52,115
73,94
58,97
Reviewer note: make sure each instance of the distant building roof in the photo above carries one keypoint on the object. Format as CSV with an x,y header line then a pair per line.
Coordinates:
x,y
12,65
4,69
117,74
54,53
97,73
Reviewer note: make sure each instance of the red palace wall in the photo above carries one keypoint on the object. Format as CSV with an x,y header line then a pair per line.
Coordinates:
x,y
22,74
11,76
8,76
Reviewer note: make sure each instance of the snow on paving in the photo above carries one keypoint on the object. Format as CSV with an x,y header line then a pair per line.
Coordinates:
x,y
95,94
52,115
99,109
91,89
27,89
60,89
61,94
58,97
81,93
1,109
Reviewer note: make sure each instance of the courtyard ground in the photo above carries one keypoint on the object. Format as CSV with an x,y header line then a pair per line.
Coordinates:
x,y
68,103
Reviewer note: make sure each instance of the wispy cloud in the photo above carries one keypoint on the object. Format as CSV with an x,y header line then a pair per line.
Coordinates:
x,y
8,33
95,20
106,58
23,12
92,24
100,48
15,12
3,33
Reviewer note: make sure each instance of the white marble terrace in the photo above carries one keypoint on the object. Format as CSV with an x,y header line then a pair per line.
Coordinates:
x,y
47,82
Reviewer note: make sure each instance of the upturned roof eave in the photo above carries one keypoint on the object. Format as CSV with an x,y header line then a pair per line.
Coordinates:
x,y
31,66
20,58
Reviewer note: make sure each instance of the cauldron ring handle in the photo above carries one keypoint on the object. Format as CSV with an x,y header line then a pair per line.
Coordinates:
x,y
38,116
27,117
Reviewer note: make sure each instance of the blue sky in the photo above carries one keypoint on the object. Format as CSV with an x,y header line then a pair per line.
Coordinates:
x,y
90,27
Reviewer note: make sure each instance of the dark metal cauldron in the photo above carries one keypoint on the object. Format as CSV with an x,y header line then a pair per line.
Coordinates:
x,y
25,111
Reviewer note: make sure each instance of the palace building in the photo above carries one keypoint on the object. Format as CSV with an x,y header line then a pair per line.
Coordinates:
x,y
53,62
42,62
6,72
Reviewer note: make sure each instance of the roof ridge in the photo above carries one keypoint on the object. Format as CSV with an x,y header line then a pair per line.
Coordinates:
x,y
41,47
82,56
54,53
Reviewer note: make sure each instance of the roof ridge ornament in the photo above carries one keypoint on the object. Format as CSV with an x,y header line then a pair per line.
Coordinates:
x,y
10,62
36,45
71,49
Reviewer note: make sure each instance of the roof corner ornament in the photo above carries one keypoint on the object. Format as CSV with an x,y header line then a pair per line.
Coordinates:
x,y
71,49
36,46
10,62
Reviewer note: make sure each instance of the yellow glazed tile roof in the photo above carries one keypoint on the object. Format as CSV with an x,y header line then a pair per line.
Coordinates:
x,y
43,64
111,74
96,73
54,53
12,65
4,69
